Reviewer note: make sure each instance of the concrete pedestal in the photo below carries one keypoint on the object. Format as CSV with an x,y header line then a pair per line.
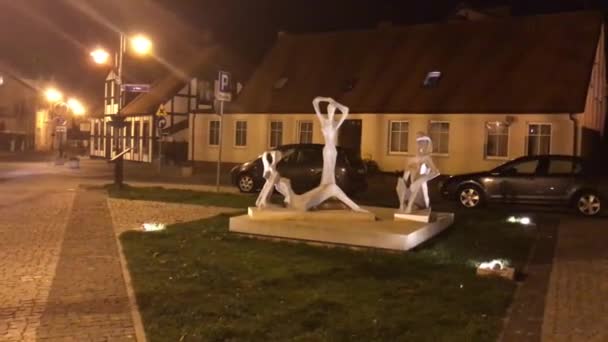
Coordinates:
x,y
342,227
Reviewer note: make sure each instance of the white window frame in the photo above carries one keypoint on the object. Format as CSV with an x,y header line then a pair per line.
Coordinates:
x,y
538,135
299,131
236,123
209,133
390,135
441,154
487,135
270,131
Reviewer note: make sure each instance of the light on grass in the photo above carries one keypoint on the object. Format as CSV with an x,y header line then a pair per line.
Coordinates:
x,y
496,264
525,220
153,226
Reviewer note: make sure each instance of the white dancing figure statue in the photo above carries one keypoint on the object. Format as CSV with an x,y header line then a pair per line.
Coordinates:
x,y
328,187
330,128
271,175
419,171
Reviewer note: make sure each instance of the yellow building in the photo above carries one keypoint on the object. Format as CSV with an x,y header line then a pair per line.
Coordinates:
x,y
485,91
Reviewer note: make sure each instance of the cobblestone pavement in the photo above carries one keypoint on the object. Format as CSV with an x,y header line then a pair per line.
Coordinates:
x,y
88,300
577,300
32,224
60,272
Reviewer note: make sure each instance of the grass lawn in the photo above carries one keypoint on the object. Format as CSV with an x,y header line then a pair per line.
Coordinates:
x,y
182,196
197,282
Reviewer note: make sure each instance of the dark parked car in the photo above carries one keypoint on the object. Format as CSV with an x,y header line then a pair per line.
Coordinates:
x,y
548,179
303,164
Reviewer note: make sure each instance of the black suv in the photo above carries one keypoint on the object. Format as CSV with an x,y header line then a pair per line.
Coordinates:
x,y
545,179
303,164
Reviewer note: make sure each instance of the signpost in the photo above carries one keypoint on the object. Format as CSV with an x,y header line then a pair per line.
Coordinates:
x,y
222,94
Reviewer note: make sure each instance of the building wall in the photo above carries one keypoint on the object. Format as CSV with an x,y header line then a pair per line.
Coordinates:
x,y
17,113
593,119
467,137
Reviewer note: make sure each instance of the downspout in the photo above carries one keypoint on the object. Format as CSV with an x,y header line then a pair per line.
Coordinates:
x,y
575,134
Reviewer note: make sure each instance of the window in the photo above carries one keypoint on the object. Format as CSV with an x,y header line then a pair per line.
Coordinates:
x,y
240,136
432,79
205,92
564,167
497,140
136,136
305,132
95,134
310,156
146,138
539,139
521,168
276,133
214,133
398,136
439,133
128,134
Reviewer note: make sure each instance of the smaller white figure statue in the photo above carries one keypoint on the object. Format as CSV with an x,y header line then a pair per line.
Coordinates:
x,y
419,171
271,175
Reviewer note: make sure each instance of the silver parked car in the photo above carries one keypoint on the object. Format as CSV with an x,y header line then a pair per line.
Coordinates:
x,y
545,179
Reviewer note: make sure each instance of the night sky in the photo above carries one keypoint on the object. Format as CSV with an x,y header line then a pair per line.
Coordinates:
x,y
52,38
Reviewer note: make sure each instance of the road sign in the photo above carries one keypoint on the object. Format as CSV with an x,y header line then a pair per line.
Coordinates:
x,y
161,111
161,123
223,89
136,88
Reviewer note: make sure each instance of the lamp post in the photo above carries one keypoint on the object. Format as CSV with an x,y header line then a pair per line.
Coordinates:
x,y
140,45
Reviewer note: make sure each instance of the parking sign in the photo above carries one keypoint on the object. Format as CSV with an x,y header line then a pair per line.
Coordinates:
x,y
223,90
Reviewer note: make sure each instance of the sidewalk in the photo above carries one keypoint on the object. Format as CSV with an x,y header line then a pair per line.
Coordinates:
x,y
564,294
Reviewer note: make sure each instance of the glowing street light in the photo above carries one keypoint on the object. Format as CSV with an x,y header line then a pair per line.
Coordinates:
x,y
141,44
76,107
100,56
53,95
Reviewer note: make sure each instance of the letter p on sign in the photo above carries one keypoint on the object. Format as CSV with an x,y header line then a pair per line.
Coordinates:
x,y
224,82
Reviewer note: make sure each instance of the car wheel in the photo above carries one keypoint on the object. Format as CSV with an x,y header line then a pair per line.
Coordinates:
x,y
470,196
588,203
246,183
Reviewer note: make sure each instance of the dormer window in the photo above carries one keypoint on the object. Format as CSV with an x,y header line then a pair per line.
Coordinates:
x,y
349,84
432,79
280,83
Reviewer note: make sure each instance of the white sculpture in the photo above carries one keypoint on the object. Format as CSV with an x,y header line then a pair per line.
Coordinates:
x,y
419,171
328,187
271,175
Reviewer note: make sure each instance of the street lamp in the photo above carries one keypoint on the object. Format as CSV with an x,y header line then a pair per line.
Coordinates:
x,y
55,99
100,56
76,107
140,45
53,95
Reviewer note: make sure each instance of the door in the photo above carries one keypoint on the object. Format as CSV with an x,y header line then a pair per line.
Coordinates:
x,y
350,135
520,181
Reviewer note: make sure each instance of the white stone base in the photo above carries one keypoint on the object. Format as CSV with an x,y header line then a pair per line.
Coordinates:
x,y
282,214
418,216
384,233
